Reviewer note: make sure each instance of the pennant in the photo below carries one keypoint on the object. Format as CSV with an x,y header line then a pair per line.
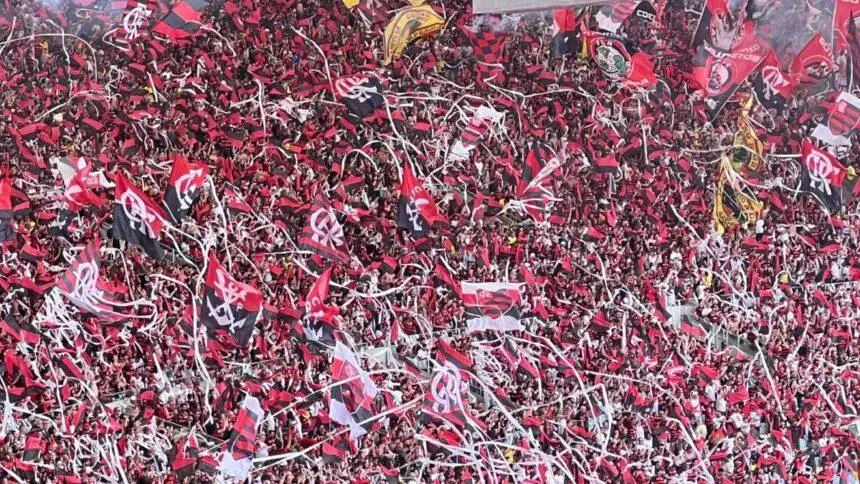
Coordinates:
x,y
228,304
183,187
136,218
492,306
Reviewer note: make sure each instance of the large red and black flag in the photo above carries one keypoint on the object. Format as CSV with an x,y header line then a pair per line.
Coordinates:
x,y
536,158
843,120
620,60
492,305
717,28
361,93
238,457
138,18
351,401
772,86
443,397
136,218
83,286
416,211
476,132
228,304
719,73
319,318
446,354
822,176
442,277
813,63
184,187
183,21
565,35
78,194
323,235
7,230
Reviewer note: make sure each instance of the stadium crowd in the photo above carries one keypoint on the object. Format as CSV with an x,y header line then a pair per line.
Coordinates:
x,y
757,382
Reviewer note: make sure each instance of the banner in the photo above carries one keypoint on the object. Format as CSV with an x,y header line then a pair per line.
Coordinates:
x,y
733,205
407,25
492,306
748,150
814,63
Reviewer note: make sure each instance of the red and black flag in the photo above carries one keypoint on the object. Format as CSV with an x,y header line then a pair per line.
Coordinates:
x,y
613,15
323,235
184,187
446,354
69,368
228,304
565,35
719,73
716,28
443,397
814,63
83,286
473,135
843,119
137,19
537,157
25,332
620,60
442,278
488,45
351,401
78,194
7,230
319,318
238,458
417,212
183,21
332,454
772,86
822,175
32,453
136,218
361,93
392,476
492,306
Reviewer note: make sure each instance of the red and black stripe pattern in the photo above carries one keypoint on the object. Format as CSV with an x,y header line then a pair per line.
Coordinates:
x,y
32,452
183,21
323,235
137,219
417,212
447,354
228,304
184,187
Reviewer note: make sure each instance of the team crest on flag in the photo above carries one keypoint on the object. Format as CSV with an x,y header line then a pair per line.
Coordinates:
x,y
323,234
351,401
82,285
136,218
822,176
361,93
228,304
492,306
843,119
184,187
416,211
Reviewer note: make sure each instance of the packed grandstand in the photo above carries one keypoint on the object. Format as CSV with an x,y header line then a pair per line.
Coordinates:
x,y
383,241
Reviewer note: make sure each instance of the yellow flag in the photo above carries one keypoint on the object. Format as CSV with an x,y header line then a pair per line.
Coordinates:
x,y
748,150
406,26
351,4
734,204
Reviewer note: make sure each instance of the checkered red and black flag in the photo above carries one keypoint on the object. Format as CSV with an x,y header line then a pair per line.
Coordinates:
x,y
323,235
237,460
229,304
351,401
184,187
183,21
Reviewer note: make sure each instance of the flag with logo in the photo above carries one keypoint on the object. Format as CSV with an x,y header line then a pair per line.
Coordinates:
x,y
478,130
447,355
416,211
565,35
237,461
351,401
443,397
748,150
772,86
492,305
83,286
229,305
78,194
407,25
323,235
813,63
620,60
136,218
734,203
822,176
138,17
843,119
183,21
361,93
319,318
183,187
720,72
